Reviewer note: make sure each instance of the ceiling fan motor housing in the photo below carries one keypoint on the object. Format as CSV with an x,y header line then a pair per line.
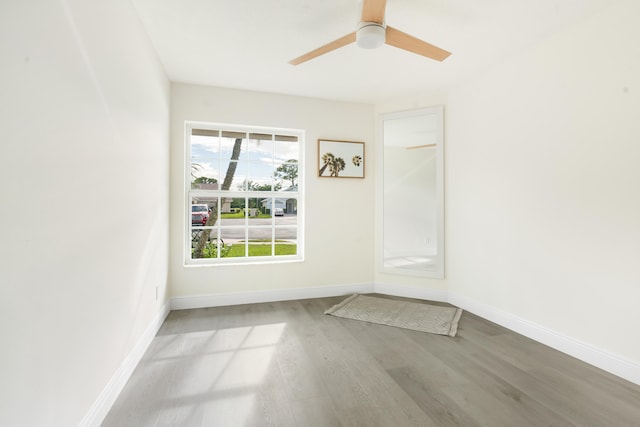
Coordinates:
x,y
372,32
370,35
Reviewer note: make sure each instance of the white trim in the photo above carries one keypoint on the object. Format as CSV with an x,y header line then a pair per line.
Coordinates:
x,y
251,297
110,393
438,270
220,194
418,292
588,353
595,356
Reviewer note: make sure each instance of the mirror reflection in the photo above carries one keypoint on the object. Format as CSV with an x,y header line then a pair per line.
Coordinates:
x,y
412,192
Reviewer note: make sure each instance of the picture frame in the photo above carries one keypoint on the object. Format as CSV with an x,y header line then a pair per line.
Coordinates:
x,y
340,159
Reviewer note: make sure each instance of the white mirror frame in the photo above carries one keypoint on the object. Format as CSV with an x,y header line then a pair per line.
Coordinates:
x,y
436,116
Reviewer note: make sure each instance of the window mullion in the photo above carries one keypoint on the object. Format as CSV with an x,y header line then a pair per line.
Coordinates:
x,y
209,146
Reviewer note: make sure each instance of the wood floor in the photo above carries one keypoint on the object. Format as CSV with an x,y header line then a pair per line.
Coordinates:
x,y
288,364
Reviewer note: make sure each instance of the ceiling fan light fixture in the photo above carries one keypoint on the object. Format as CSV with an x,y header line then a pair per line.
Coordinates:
x,y
372,32
370,35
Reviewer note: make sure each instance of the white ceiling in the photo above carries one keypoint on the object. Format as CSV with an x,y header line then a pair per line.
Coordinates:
x,y
247,44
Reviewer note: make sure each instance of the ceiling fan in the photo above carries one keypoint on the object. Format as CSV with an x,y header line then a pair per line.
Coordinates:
x,y
372,32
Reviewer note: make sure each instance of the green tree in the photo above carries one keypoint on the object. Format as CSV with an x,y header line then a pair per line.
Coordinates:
x,y
254,186
288,171
237,203
204,180
226,184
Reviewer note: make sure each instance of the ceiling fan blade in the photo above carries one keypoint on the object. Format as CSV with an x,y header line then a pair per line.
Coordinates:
x,y
373,11
404,41
342,41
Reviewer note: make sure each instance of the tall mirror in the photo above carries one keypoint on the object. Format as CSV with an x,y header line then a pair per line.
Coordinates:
x,y
412,192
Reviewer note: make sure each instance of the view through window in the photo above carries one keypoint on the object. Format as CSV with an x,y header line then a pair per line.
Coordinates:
x,y
244,194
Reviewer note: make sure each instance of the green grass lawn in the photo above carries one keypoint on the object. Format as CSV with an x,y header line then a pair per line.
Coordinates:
x,y
241,215
237,250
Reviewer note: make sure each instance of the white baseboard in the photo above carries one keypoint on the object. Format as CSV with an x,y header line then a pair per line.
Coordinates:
x,y
412,292
595,356
600,358
104,402
252,297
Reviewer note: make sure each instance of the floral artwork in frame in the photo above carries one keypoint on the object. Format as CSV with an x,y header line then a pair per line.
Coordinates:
x,y
340,159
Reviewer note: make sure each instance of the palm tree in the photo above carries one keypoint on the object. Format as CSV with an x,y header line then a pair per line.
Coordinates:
x,y
327,159
204,180
226,184
337,165
357,160
195,168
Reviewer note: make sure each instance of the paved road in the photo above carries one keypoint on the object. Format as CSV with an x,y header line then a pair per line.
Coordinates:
x,y
258,233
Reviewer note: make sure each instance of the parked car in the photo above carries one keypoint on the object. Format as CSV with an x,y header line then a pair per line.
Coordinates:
x,y
278,212
199,214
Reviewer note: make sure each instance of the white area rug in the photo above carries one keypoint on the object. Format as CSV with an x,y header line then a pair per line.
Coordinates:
x,y
402,314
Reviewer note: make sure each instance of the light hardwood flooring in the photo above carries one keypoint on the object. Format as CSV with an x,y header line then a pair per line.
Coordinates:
x,y
288,364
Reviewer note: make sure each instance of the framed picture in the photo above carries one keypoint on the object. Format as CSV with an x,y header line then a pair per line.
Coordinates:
x,y
340,159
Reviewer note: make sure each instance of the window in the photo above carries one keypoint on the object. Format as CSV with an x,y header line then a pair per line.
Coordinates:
x,y
244,194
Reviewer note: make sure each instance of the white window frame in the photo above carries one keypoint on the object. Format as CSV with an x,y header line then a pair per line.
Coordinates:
x,y
189,193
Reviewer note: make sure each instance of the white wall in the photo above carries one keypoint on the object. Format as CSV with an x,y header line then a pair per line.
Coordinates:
x,y
542,172
84,202
339,212
542,168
